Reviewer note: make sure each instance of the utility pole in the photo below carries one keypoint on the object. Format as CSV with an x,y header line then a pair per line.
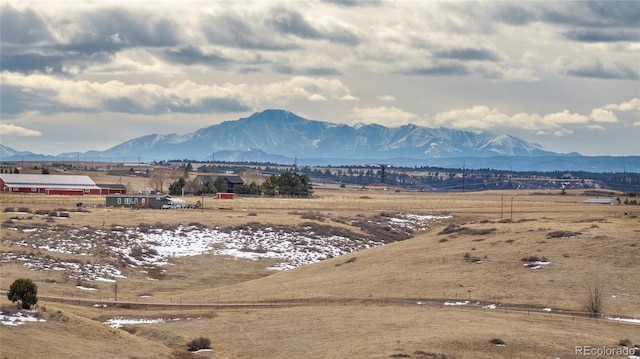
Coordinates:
x,y
463,164
624,181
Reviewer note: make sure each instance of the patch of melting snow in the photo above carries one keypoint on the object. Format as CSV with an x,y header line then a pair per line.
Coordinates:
x,y
86,288
291,247
625,320
18,318
457,303
536,265
119,322
489,306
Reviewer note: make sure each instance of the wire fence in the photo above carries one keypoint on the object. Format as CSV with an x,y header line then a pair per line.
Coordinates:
x,y
324,301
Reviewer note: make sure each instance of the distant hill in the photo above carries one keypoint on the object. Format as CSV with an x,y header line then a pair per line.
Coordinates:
x,y
280,136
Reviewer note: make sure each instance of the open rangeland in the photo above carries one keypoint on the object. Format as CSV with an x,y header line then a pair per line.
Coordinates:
x,y
350,273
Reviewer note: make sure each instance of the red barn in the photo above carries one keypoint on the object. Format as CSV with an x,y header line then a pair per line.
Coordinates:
x,y
48,184
110,188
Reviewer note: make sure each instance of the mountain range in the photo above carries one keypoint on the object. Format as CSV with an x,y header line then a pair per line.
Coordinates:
x,y
280,136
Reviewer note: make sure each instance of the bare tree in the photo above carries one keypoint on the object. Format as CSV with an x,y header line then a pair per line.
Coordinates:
x,y
595,296
160,176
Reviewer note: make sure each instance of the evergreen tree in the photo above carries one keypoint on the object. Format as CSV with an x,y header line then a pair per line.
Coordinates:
x,y
176,187
25,291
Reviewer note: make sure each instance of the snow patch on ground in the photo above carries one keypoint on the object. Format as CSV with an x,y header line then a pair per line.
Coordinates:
x,y
625,320
86,288
536,264
19,318
121,321
457,303
149,246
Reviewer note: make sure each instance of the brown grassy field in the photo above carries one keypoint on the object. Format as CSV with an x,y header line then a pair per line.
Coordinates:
x,y
361,305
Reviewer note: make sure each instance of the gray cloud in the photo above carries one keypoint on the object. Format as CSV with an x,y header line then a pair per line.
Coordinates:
x,y
467,54
602,35
449,69
354,3
16,102
22,27
192,55
232,30
293,23
616,13
302,70
512,13
598,70
120,26
29,63
613,14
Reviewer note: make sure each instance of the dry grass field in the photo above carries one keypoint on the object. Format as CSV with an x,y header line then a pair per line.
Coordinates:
x,y
382,302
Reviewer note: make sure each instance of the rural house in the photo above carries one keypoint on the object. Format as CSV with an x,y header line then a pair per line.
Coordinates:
x,y
48,184
231,180
142,201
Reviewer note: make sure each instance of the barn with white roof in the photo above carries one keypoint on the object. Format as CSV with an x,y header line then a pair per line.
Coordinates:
x,y
48,184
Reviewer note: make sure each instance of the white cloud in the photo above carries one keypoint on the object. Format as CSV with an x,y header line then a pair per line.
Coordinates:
x,y
486,118
390,116
388,98
179,96
601,115
13,130
631,105
595,127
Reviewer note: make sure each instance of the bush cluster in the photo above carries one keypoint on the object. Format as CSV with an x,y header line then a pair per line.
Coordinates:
x,y
199,343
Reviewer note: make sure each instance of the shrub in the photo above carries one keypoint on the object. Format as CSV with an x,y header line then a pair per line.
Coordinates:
x,y
9,209
472,259
625,342
595,296
199,343
448,230
562,234
497,341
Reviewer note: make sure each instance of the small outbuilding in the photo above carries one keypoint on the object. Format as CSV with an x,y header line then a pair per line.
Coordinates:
x,y
602,200
111,188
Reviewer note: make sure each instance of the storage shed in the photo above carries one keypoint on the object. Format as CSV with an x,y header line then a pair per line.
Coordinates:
x,y
48,184
109,188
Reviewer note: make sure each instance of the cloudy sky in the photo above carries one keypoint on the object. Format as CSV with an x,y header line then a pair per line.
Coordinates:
x,y
78,76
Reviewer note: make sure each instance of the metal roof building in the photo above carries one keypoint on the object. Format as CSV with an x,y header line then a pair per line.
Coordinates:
x,y
605,200
48,184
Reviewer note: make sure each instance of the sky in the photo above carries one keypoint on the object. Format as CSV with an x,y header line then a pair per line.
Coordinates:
x,y
80,75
